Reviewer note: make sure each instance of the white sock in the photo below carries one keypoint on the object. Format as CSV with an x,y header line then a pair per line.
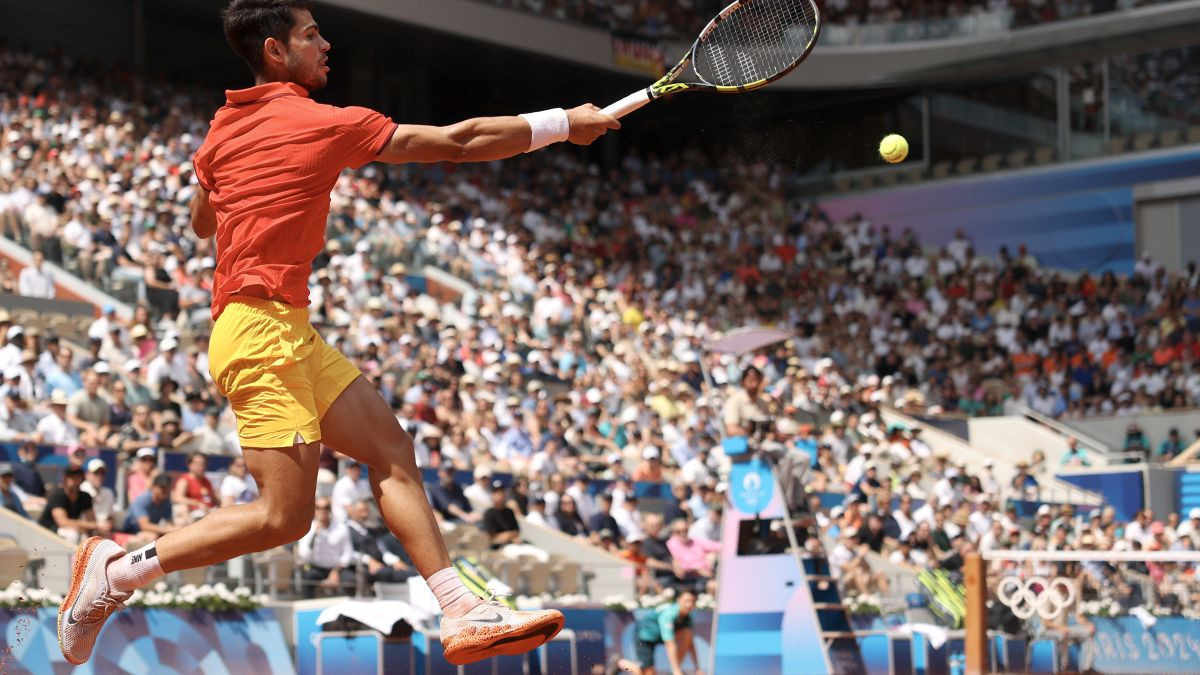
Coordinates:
x,y
455,598
134,570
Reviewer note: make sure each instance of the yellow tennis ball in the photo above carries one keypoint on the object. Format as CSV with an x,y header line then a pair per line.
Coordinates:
x,y
893,148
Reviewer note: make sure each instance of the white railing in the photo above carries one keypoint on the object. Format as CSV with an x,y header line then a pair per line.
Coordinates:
x,y
1088,441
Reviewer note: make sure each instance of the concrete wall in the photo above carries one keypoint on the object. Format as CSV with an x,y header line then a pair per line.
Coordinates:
x,y
1017,437
609,575
1168,221
1112,429
52,550
974,456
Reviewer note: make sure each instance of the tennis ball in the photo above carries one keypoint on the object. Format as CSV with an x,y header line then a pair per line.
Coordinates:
x,y
893,148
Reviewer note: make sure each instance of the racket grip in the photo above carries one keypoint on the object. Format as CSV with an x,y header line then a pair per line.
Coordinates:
x,y
628,104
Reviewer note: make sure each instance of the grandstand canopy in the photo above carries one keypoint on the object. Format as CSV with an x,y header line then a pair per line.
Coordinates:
x,y
747,339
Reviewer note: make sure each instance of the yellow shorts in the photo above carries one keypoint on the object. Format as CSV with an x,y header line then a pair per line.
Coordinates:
x,y
277,372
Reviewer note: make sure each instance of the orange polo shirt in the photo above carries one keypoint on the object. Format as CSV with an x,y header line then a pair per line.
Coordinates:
x,y
270,160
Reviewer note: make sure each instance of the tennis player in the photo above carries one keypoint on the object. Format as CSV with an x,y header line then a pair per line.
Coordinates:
x,y
266,169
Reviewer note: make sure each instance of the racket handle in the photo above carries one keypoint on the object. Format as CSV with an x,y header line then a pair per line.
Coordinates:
x,y
628,104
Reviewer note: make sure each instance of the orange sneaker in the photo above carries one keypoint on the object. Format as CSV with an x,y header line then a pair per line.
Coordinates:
x,y
90,600
492,629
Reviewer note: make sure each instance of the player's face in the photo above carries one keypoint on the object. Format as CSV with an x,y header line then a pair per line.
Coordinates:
x,y
307,53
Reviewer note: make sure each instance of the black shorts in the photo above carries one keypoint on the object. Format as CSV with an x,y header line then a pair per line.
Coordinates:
x,y
645,653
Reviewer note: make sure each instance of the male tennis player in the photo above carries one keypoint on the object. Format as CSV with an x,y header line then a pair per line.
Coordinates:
x,y
266,169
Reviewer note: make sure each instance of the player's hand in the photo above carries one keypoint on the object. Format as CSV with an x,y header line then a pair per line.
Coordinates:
x,y
588,124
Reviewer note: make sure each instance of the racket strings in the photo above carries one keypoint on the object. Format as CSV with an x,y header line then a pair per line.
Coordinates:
x,y
757,41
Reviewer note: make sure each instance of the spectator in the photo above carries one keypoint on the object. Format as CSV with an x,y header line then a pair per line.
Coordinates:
x,y
69,509
448,500
139,393
537,514
1171,447
141,473
62,376
699,469
103,500
849,565
694,558
708,528
25,470
1135,442
499,521
379,564
151,514
207,438
1074,456
119,412
479,493
88,411
136,434
350,488
193,493
238,486
35,281
603,518
628,517
568,519
17,422
10,353
651,468
745,405
11,496
56,428
325,552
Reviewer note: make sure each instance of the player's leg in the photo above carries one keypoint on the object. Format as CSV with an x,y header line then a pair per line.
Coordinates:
x,y
260,358
105,575
359,424
287,479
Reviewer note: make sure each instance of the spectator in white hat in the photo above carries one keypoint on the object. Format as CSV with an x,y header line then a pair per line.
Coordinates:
x,y
1190,527
651,467
137,392
10,353
349,488
141,473
55,428
479,493
169,364
103,499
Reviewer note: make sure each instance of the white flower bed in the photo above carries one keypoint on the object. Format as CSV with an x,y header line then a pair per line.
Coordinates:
x,y
218,598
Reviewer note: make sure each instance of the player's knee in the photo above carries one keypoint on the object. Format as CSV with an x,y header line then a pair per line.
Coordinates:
x,y
285,525
395,453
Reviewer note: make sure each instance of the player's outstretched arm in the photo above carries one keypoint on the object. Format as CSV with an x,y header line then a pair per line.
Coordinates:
x,y
484,139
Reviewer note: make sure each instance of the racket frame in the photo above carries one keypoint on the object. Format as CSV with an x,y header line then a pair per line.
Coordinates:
x,y
667,85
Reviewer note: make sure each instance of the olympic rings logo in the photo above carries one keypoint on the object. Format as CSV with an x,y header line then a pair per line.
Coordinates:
x,y
1046,598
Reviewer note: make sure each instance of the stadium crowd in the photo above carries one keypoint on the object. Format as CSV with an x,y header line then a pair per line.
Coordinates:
x,y
576,360
681,20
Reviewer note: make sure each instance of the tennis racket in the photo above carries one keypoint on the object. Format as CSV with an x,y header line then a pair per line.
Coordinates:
x,y
749,45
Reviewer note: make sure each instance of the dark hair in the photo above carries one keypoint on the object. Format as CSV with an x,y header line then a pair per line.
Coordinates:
x,y
750,370
248,23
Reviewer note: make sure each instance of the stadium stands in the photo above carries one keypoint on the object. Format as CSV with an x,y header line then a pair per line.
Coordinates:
x,y
574,361
664,19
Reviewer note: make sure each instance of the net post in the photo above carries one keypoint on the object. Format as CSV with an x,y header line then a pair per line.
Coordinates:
x,y
975,576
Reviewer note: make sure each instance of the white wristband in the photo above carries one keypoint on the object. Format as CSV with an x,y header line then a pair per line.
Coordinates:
x,y
549,126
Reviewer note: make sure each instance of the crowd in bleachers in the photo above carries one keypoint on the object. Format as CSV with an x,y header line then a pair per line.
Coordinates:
x,y
681,20
577,362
